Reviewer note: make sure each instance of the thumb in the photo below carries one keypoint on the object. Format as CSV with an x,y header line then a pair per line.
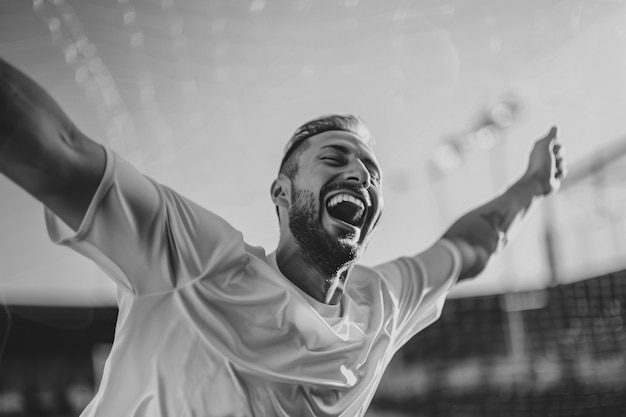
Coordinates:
x,y
551,134
545,143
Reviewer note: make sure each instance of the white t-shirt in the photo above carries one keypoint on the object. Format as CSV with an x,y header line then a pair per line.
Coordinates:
x,y
208,326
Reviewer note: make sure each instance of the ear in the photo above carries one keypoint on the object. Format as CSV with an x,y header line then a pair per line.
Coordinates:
x,y
280,191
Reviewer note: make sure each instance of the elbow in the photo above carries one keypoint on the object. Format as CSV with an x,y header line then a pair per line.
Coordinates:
x,y
475,255
475,264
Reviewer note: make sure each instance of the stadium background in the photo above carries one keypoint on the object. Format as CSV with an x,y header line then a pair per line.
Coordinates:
x,y
200,94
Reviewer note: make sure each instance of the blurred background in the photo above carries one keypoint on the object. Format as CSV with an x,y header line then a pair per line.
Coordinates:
x,y
203,94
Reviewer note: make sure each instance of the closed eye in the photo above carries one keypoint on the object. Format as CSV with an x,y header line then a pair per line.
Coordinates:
x,y
374,172
375,178
333,159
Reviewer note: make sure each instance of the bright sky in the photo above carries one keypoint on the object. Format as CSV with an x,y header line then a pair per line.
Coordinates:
x,y
202,95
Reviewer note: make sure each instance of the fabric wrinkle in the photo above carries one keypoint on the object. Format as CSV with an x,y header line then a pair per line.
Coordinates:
x,y
212,327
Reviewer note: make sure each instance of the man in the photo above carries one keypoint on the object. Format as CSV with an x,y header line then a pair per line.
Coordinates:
x,y
210,326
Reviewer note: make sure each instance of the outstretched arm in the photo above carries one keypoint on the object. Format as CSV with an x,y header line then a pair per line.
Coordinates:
x,y
42,151
482,232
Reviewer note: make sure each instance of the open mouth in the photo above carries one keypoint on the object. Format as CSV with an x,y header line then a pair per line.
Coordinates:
x,y
347,208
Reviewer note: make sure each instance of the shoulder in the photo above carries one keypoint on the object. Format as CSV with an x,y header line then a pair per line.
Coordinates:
x,y
367,283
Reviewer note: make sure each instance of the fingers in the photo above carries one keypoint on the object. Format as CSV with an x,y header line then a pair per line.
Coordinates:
x,y
561,167
559,153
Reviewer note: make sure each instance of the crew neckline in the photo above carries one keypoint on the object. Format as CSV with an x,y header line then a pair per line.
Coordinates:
x,y
323,309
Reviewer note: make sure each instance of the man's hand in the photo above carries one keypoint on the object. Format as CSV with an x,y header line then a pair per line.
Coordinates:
x,y
546,167
485,230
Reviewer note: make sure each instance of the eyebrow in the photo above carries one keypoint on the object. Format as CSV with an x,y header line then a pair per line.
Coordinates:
x,y
369,163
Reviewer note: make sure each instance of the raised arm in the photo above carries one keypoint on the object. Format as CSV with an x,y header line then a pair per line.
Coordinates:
x,y
42,151
482,232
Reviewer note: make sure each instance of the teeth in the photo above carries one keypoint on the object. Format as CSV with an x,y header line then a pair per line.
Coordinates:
x,y
347,197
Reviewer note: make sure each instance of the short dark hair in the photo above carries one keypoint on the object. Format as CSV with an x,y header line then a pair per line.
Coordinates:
x,y
342,122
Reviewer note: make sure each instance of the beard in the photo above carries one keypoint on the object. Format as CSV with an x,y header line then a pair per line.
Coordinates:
x,y
322,251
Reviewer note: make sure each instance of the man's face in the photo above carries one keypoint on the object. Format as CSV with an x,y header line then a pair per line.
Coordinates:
x,y
336,199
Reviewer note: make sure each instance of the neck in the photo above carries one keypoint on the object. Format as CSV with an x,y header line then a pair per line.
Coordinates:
x,y
324,287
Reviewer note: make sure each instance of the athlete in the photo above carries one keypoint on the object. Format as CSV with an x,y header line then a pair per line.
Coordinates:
x,y
211,326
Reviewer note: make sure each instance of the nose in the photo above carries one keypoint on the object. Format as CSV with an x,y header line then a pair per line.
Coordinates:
x,y
358,173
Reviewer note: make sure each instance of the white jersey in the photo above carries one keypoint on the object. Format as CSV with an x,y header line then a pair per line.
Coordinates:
x,y
208,325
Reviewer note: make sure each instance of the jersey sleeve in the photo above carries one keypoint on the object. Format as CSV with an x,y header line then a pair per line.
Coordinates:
x,y
419,284
145,236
